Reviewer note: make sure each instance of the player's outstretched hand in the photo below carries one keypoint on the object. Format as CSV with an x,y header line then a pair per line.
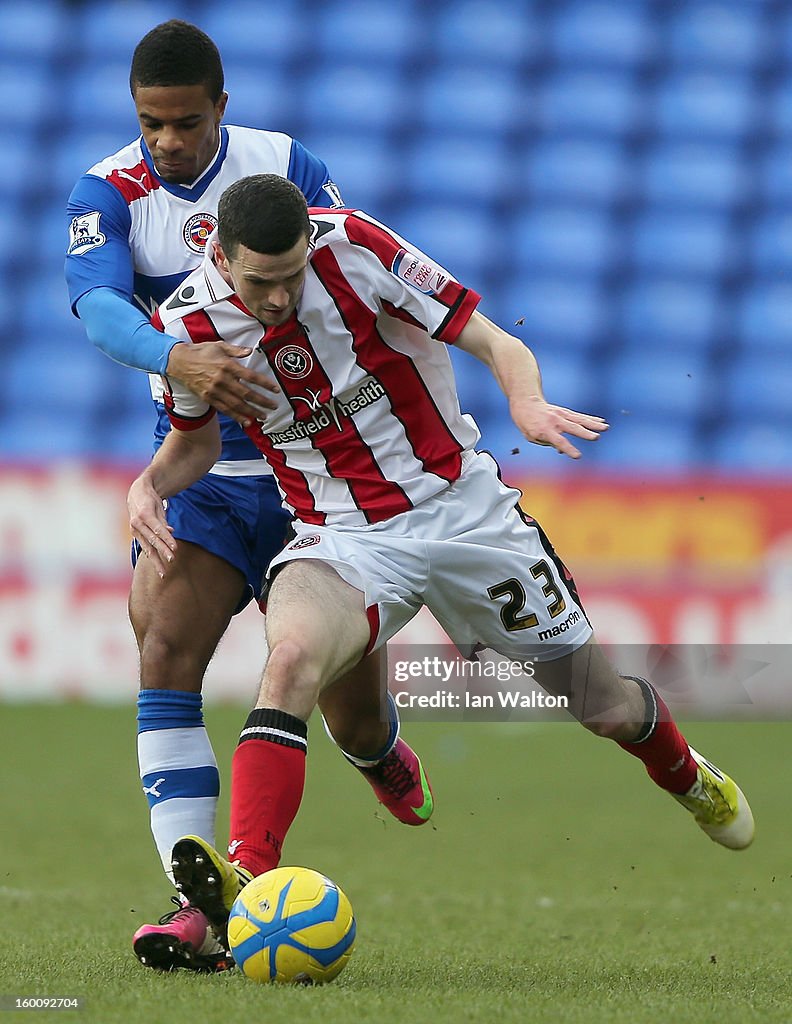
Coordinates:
x,y
547,424
149,526
213,372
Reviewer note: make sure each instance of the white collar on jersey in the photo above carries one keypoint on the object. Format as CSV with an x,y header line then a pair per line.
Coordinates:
x,y
219,288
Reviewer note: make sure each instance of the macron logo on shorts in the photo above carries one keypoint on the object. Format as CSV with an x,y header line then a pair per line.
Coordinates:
x,y
562,627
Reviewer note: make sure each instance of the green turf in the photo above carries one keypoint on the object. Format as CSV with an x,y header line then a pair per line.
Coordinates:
x,y
554,883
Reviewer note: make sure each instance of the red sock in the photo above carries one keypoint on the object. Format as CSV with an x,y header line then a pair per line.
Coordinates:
x,y
661,746
267,780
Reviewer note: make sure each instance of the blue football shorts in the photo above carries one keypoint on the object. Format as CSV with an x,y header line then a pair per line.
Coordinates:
x,y
240,519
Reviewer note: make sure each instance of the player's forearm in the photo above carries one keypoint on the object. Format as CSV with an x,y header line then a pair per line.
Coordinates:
x,y
122,332
183,458
511,363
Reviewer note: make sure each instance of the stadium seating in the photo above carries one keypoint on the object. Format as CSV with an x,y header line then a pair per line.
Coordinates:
x,y
588,103
32,32
604,33
669,314
249,38
576,170
707,106
718,35
613,177
700,244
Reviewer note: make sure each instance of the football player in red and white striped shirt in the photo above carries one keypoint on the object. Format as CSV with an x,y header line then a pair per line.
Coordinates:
x,y
394,507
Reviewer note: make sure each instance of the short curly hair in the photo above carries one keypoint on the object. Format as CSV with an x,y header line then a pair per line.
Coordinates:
x,y
177,53
266,213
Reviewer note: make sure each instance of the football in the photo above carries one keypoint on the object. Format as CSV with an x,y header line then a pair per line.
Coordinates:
x,y
291,925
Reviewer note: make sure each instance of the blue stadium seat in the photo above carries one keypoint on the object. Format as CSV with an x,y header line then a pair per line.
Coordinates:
x,y
482,101
22,156
559,310
111,29
457,238
479,395
753,384
44,434
45,305
368,31
260,97
775,181
50,238
748,448
364,167
697,105
78,153
54,374
694,243
696,175
349,97
34,32
641,444
486,31
596,103
658,383
98,97
131,389
764,323
604,33
569,376
779,109
670,313
771,244
125,439
718,35
11,336
246,34
561,239
460,169
34,93
576,169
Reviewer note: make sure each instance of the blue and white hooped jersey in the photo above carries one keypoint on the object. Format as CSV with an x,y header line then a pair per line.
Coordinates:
x,y
131,231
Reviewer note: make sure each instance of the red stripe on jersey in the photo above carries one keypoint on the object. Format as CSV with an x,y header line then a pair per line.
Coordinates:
x,y
200,327
461,311
235,300
156,320
388,250
190,422
346,455
293,483
134,182
373,616
402,314
384,246
411,402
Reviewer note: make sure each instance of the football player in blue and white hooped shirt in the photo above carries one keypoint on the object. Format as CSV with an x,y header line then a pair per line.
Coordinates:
x,y
138,225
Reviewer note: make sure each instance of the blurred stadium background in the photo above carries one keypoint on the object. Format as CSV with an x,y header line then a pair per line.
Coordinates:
x,y
614,177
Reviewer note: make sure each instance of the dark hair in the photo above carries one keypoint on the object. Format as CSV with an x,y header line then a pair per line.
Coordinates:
x,y
177,53
264,212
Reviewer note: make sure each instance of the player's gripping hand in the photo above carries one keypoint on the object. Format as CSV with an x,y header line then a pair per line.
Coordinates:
x,y
547,424
212,371
149,526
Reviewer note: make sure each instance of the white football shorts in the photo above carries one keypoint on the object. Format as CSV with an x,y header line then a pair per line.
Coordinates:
x,y
484,569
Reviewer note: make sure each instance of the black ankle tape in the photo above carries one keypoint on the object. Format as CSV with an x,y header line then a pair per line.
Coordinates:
x,y
275,727
651,714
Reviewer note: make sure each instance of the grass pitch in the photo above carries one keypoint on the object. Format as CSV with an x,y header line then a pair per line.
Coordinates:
x,y
553,884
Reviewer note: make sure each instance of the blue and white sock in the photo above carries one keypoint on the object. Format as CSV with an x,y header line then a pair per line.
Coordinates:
x,y
390,743
178,769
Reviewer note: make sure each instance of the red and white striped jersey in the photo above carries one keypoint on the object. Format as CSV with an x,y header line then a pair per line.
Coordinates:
x,y
368,423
